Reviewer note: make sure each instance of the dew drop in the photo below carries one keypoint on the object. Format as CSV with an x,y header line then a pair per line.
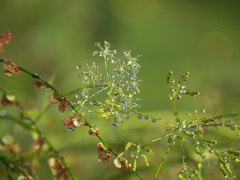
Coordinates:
x,y
79,67
77,97
202,157
232,128
95,53
94,65
95,104
228,123
177,120
210,151
146,117
195,138
97,43
3,113
154,120
70,129
139,116
184,157
114,125
175,112
205,128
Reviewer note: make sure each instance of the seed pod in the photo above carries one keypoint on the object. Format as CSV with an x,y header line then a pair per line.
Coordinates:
x,y
135,164
180,175
189,133
184,77
197,150
105,115
222,169
99,110
193,94
170,77
128,145
145,159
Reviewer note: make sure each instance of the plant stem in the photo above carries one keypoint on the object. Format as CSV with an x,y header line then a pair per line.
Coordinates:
x,y
175,108
182,149
154,140
8,163
165,155
159,120
200,166
140,177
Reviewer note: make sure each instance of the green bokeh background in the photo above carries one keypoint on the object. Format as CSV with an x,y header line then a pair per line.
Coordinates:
x,y
52,37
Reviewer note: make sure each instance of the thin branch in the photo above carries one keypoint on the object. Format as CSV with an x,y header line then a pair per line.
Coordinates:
x,y
165,155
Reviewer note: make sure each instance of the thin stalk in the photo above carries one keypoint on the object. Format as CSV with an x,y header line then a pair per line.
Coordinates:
x,y
175,108
160,120
165,155
154,140
105,61
182,149
132,170
16,167
200,166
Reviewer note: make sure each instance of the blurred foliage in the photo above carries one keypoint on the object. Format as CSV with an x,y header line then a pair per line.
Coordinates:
x,y
197,36
52,37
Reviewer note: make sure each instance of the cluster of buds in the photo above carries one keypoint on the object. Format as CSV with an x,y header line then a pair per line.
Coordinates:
x,y
104,154
7,144
61,172
177,89
57,98
10,68
74,121
4,39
